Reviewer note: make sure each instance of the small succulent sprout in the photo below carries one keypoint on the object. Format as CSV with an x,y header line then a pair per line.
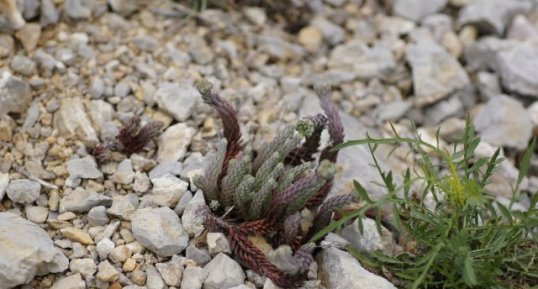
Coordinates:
x,y
326,169
204,87
305,127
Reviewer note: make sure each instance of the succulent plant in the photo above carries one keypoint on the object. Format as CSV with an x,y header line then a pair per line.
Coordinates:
x,y
132,139
266,194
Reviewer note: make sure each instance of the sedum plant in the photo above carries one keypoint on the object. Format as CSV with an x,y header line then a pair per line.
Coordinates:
x,y
269,202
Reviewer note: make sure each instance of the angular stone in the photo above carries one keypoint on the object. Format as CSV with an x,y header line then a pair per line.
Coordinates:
x,y
23,191
4,181
77,235
436,73
193,277
15,94
166,192
124,173
104,247
516,67
29,36
106,272
198,255
31,252
154,279
160,230
72,282
492,15
179,100
174,141
71,119
370,240
123,206
340,270
223,272
193,220
120,254
218,243
49,13
36,214
81,201
171,271
84,168
417,9
86,267
503,121
75,9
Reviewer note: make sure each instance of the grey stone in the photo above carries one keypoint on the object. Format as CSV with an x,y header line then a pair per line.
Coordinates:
x,y
199,255
153,279
23,65
160,230
15,94
334,240
167,191
522,29
183,201
36,214
83,168
255,15
123,7
193,277
86,267
124,174
517,66
30,9
177,99
394,110
97,216
223,272
80,200
97,88
23,191
436,73
192,219
364,62
443,109
122,89
31,252
123,206
76,9
146,43
488,85
4,181
340,270
141,183
101,113
49,13
72,282
492,15
104,247
47,63
416,9
174,141
370,240
482,55
438,24
218,243
72,119
333,33
503,121
7,45
166,167
171,271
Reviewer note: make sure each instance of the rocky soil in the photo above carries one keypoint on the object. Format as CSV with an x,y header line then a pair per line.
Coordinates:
x,y
79,68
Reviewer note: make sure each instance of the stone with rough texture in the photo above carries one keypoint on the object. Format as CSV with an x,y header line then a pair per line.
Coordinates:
x,y
361,61
104,247
370,240
15,94
124,173
174,141
177,99
23,191
84,168
72,119
86,267
36,214
340,270
518,67
123,206
192,219
492,15
77,235
106,272
171,271
218,243
436,73
199,255
154,279
167,191
31,252
72,282
416,9
29,36
97,216
503,121
223,272
49,13
193,277
81,201
75,9
160,230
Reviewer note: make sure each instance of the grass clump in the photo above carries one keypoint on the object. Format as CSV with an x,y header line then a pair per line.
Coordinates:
x,y
467,239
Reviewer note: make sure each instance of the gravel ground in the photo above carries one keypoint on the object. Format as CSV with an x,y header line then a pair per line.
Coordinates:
x,y
78,69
